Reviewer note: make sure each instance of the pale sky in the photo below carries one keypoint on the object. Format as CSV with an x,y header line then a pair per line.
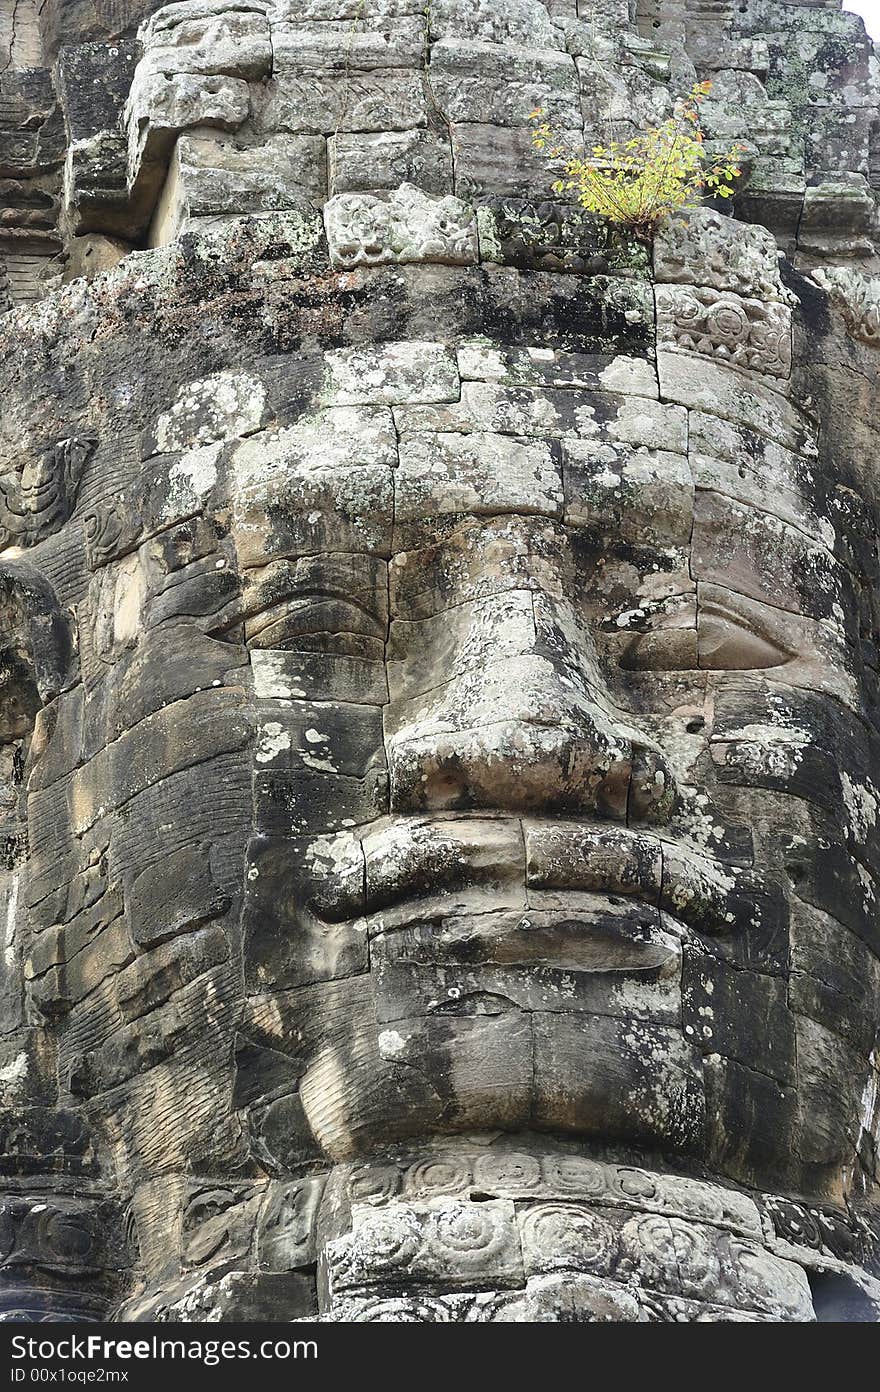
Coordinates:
x,y
870,12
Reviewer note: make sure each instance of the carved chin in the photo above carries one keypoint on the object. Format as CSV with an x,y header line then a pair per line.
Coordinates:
x,y
497,1067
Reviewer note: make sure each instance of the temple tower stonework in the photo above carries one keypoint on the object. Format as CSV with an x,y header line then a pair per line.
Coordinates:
x,y
440,759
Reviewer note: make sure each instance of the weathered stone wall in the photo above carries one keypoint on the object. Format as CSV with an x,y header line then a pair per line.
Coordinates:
x,y
440,677
301,101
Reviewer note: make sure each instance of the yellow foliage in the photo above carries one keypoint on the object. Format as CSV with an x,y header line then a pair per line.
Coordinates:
x,y
639,182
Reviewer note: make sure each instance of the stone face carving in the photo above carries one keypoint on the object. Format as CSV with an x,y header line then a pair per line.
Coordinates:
x,y
211,178
161,104
39,499
438,685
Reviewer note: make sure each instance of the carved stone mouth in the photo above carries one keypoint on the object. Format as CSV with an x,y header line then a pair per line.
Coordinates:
x,y
595,934
447,868
472,1003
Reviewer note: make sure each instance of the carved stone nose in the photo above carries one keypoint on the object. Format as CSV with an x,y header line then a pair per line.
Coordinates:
x,y
502,706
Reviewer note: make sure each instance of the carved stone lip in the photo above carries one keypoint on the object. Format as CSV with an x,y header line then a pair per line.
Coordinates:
x,y
596,934
462,865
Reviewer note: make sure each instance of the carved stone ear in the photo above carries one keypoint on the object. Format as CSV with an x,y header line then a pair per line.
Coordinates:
x,y
36,644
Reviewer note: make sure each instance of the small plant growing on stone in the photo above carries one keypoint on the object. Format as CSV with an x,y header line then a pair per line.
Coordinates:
x,y
638,183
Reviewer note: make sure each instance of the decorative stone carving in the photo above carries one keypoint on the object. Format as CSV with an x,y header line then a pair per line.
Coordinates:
x,y
858,298
392,99
553,237
410,226
286,1237
706,248
39,499
750,333
422,1244
438,671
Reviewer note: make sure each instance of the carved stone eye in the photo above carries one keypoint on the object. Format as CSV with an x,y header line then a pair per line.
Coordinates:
x,y
64,1237
724,644
206,1225
205,1206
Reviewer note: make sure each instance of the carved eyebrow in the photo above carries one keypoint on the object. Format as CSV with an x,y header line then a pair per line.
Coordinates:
x,y
279,614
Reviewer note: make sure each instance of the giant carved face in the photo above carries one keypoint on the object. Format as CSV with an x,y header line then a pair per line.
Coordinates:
x,y
463,702
562,773
518,701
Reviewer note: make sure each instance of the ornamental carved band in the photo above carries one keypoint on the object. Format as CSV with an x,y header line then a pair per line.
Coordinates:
x,y
440,758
